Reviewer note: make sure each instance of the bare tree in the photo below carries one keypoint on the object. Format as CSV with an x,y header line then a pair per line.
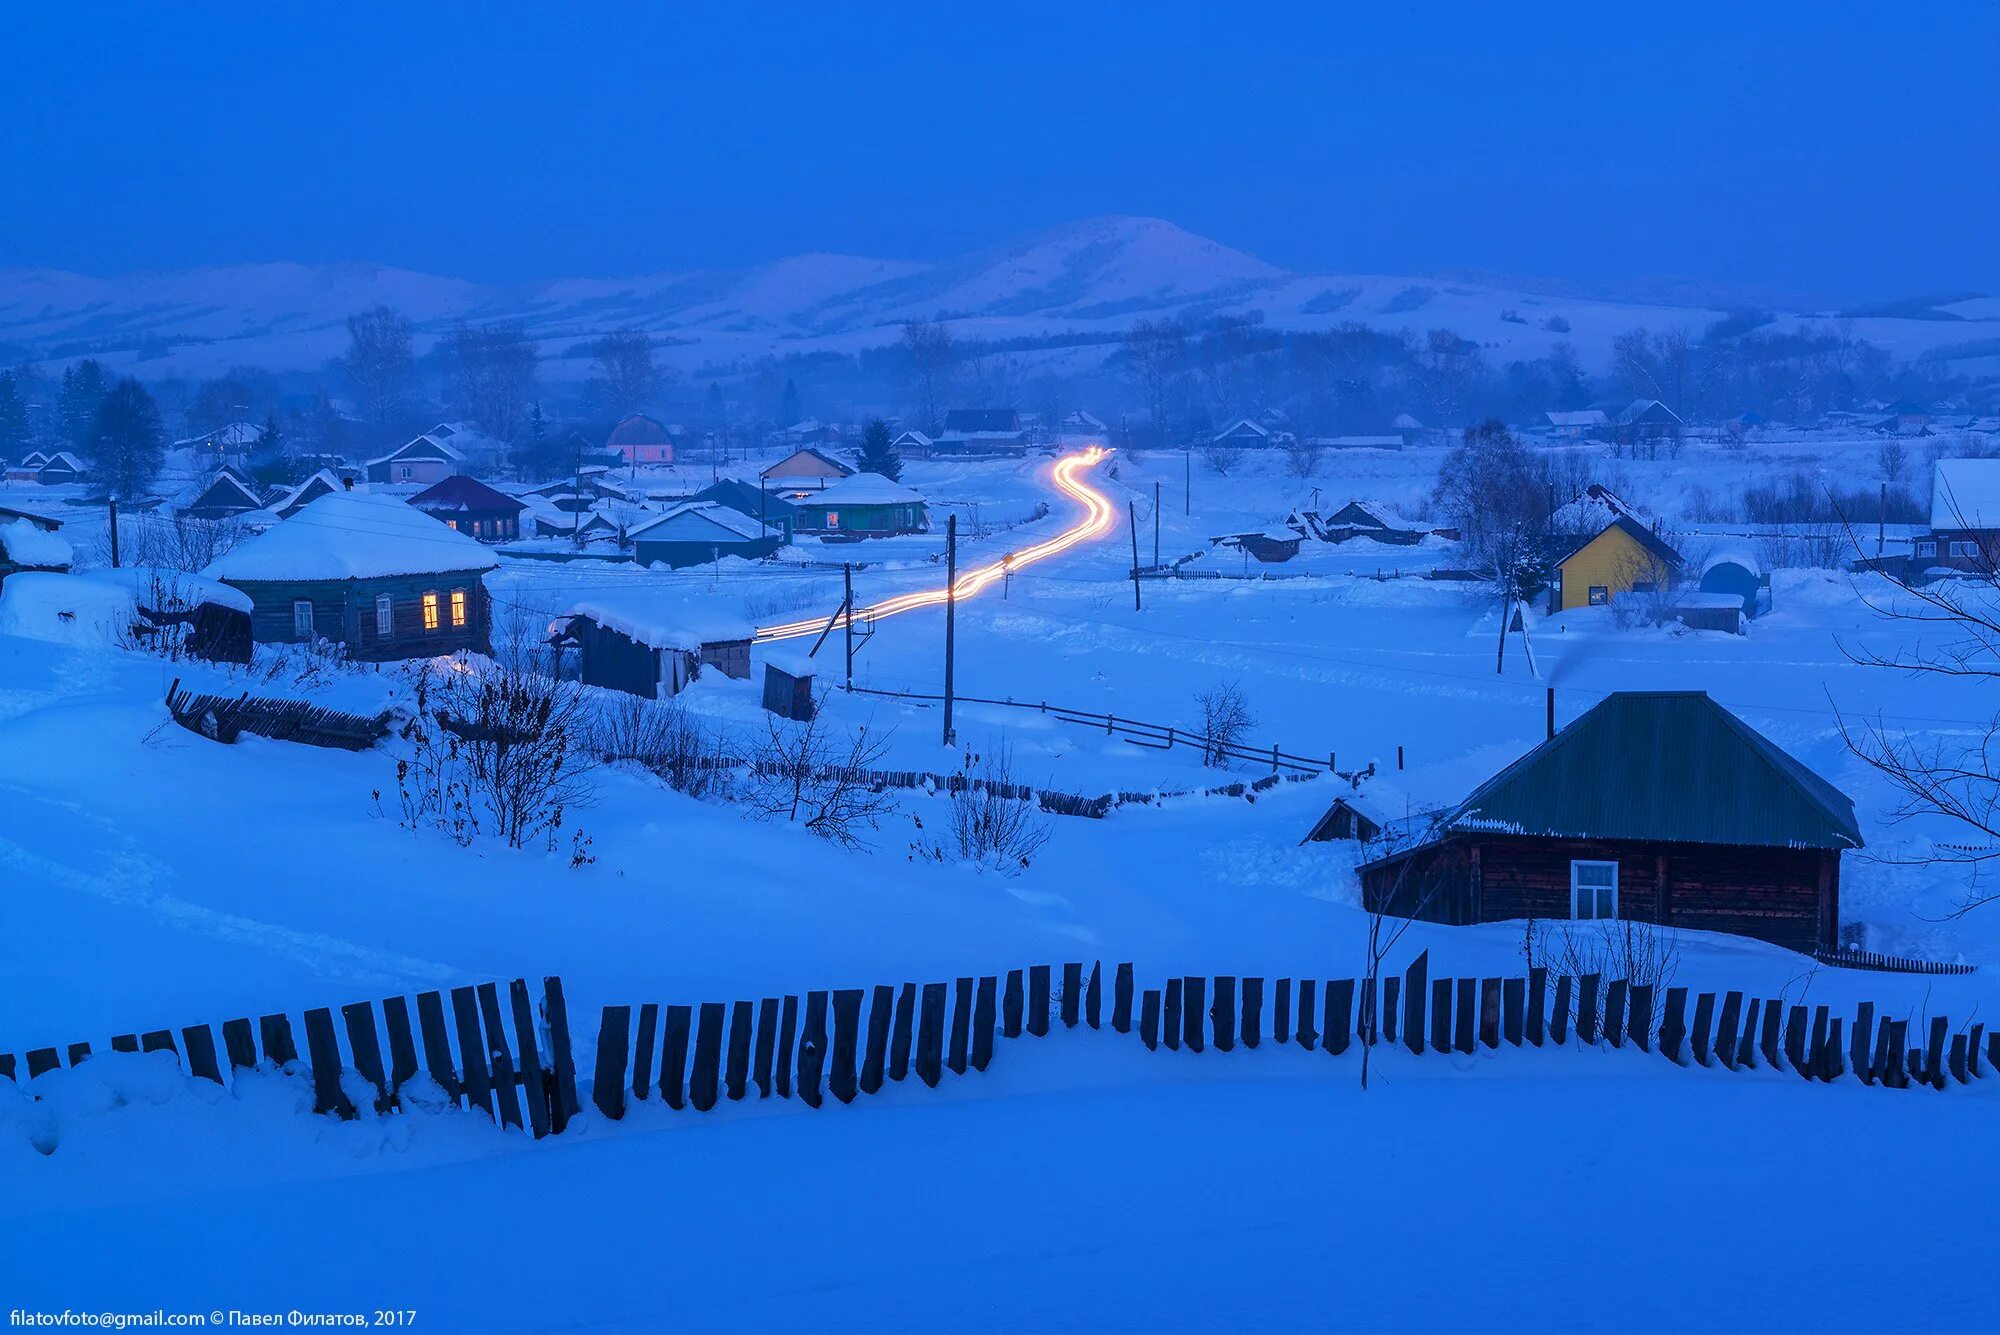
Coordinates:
x,y
930,359
1225,721
381,365
1157,353
802,773
1302,457
489,375
627,376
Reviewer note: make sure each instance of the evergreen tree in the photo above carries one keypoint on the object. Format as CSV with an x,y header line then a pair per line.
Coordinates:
x,y
538,447
129,443
271,461
790,411
711,404
81,396
13,420
878,452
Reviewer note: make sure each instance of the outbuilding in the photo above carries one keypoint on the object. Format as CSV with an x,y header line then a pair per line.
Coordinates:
x,y
1740,575
26,545
1623,557
1657,806
697,532
651,643
639,439
366,571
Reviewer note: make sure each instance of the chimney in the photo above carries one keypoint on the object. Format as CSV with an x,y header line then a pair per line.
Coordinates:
x,y
1552,713
347,482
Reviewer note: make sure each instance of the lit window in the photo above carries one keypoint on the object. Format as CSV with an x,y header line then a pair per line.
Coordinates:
x,y
1593,889
385,615
1599,595
458,607
833,519
430,611
302,618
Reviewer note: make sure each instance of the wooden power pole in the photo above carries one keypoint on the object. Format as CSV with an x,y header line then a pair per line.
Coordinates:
x,y
950,618
1132,513
112,502
847,579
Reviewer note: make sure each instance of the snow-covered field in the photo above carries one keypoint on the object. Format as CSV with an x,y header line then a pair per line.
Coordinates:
x,y
155,878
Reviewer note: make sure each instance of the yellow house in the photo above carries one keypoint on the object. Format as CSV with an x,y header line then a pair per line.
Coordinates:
x,y
1625,557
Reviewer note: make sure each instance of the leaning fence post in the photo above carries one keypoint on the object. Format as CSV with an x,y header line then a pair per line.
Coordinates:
x,y
1149,1019
1415,985
1303,1030
1725,1039
1222,1013
846,1034
1640,1025
1121,999
704,1077
1253,1012
956,1054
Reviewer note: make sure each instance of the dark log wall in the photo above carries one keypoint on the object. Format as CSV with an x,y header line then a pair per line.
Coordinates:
x,y
616,661
344,611
1790,897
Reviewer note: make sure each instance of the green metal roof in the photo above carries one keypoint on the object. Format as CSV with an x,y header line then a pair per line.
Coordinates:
x,y
1665,765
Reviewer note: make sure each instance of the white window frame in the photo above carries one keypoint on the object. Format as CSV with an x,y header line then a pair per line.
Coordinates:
x,y
1576,886
1595,589
1967,549
302,619
385,616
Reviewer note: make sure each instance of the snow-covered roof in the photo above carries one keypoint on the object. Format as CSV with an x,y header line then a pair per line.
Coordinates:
x,y
1592,511
917,436
1588,417
863,489
1238,426
1733,556
65,609
23,543
352,535
425,446
701,521
1642,409
661,618
65,458
1965,493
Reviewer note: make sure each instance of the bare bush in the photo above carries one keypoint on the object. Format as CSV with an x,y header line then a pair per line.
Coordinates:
x,y
1221,458
994,822
801,772
663,737
1302,459
1225,721
493,749
1642,953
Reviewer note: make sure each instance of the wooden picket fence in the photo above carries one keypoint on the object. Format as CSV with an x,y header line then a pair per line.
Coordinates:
x,y
535,1076
223,719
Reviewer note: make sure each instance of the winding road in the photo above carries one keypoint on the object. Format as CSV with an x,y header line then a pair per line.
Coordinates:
x,y
1098,519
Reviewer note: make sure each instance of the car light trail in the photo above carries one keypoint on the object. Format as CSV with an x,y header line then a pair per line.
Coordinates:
x,y
1098,519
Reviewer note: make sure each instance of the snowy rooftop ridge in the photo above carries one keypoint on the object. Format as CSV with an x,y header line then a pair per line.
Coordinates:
x,y
352,535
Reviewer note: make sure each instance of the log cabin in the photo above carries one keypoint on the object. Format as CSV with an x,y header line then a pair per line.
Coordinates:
x,y
650,643
366,571
1658,806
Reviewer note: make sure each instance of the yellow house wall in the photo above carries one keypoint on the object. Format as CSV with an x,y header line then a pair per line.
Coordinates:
x,y
1614,559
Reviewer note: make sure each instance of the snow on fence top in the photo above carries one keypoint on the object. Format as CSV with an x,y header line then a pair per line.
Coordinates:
x,y
352,535
660,620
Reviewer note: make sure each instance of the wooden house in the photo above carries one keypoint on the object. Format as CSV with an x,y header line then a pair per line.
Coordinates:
x,y
1623,557
1584,424
28,467
649,643
913,444
424,460
224,496
288,501
638,439
803,472
1964,533
366,571
981,431
759,503
697,532
60,469
473,508
1242,434
1647,419
1657,806
866,505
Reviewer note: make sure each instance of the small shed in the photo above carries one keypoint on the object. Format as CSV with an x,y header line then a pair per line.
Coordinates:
x,y
1272,546
650,643
788,685
1708,611
26,545
1740,575
187,615
1362,812
366,571
1623,557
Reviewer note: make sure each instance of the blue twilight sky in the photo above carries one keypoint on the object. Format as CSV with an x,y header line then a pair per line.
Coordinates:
x,y
1846,151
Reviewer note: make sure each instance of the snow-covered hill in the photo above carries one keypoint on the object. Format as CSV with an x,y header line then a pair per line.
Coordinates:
x,y
1091,277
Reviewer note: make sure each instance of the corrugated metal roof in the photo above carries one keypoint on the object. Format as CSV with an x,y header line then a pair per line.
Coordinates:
x,y
1666,765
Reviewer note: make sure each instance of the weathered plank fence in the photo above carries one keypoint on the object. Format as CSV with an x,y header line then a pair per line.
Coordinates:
x,y
222,719
509,1059
1880,963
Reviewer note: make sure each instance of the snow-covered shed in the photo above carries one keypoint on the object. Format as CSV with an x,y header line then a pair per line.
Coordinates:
x,y
652,642
27,545
367,571
1737,572
697,532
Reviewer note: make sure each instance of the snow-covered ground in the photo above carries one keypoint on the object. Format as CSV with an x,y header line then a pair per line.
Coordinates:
x,y
155,878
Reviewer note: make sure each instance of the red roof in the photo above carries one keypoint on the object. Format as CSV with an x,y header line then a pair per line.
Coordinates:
x,y
459,493
638,429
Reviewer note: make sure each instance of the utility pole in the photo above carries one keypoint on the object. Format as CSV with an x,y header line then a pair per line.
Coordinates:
x,y
112,501
1881,519
1187,481
576,497
950,617
1132,512
847,578
1156,523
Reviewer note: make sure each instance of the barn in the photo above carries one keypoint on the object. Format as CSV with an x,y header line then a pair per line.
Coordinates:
x,y
1655,806
649,643
366,571
638,439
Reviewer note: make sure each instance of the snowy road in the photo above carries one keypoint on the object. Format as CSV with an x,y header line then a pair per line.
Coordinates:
x,y
1098,518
